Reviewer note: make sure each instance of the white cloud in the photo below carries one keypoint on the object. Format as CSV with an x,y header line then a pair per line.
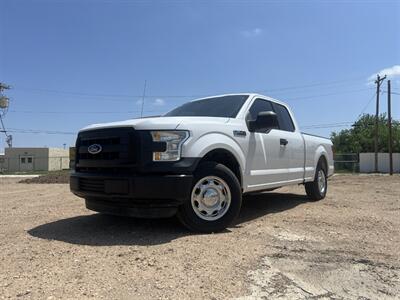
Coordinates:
x,y
156,102
251,32
159,102
389,72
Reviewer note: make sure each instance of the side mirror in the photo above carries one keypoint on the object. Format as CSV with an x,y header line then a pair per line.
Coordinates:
x,y
266,120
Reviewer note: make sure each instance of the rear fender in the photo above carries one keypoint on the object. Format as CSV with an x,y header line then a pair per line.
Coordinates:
x,y
320,152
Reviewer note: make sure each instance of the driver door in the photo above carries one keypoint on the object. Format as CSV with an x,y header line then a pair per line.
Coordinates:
x,y
268,159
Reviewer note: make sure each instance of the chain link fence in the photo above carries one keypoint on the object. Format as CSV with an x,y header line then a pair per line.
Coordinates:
x,y
347,162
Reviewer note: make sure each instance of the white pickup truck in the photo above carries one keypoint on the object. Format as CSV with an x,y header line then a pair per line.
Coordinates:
x,y
198,160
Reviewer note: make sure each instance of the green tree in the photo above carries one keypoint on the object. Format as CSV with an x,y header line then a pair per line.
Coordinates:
x,y
360,138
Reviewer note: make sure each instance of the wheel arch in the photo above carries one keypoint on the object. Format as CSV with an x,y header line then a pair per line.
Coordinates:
x,y
218,142
227,158
324,160
321,154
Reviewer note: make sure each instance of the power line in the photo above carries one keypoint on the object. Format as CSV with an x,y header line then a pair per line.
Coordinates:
x,y
39,131
336,82
107,95
81,112
366,106
178,96
160,110
328,125
340,124
3,127
329,94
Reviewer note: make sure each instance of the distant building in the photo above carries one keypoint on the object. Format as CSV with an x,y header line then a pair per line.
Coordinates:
x,y
34,159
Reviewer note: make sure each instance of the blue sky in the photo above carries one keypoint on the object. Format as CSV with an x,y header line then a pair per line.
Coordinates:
x,y
73,63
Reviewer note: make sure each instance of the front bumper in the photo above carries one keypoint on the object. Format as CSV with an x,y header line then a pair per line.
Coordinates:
x,y
132,195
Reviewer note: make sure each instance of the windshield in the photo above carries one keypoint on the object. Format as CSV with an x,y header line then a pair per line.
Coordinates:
x,y
224,107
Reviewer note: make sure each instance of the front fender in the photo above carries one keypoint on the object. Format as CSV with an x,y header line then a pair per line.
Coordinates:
x,y
211,141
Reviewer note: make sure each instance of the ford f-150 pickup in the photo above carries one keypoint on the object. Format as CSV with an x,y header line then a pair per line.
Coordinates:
x,y
198,160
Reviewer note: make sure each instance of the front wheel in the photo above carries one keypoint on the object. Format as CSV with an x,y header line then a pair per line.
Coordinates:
x,y
215,199
316,190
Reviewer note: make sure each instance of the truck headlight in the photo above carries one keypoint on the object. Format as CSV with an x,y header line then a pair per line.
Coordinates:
x,y
173,141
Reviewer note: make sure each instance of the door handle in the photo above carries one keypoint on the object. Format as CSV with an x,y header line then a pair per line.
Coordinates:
x,y
284,142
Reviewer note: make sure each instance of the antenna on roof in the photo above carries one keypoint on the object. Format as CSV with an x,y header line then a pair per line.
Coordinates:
x,y
144,94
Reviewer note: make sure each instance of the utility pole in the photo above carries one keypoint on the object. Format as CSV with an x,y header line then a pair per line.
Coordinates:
x,y
4,100
144,95
390,129
4,87
378,82
4,103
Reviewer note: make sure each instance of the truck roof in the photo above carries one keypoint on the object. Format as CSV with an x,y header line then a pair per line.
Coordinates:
x,y
240,94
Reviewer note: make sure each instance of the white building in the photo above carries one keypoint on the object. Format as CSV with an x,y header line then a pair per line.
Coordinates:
x,y
34,159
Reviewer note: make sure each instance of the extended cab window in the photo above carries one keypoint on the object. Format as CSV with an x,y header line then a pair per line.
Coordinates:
x,y
284,119
259,105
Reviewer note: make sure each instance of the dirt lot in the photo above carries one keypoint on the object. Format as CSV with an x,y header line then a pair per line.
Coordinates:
x,y
344,247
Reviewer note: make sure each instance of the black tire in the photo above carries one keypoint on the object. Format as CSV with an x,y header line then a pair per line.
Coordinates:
x,y
192,221
313,190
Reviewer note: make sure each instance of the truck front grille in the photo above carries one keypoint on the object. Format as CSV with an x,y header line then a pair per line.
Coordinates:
x,y
100,156
119,150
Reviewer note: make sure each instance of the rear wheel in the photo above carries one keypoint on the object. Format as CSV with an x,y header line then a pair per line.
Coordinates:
x,y
316,190
215,199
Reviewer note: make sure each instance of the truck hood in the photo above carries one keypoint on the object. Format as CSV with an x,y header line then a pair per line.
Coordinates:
x,y
159,123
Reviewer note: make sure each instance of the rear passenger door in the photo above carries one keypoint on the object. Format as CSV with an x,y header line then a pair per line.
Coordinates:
x,y
292,140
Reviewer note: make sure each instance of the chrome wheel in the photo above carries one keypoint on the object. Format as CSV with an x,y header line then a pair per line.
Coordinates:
x,y
211,198
321,181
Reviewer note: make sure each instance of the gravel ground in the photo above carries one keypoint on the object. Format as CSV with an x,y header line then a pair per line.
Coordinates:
x,y
344,247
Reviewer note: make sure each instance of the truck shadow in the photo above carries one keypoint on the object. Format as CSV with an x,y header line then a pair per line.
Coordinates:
x,y
257,205
105,230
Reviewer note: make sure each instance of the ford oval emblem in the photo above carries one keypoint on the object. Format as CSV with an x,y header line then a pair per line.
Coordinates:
x,y
94,149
